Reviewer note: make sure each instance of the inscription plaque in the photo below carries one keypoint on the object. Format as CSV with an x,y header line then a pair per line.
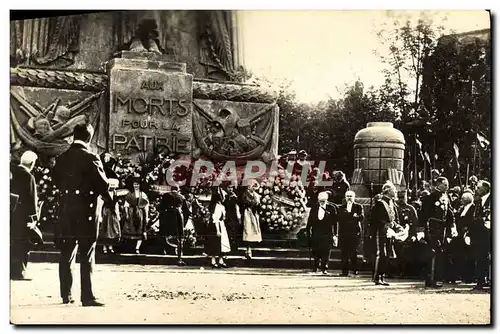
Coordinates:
x,y
150,107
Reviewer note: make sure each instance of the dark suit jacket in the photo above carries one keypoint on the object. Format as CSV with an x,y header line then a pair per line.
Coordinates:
x,y
174,213
464,223
348,224
431,214
480,235
322,230
23,184
338,190
380,220
79,177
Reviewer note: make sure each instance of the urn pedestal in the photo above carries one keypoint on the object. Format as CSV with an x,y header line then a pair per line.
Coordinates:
x,y
378,157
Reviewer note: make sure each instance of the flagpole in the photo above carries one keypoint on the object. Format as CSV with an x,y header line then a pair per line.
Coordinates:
x,y
467,177
479,165
434,159
474,159
425,170
415,175
459,177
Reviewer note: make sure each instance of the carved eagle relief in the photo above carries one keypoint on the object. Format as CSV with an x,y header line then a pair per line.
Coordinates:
x,y
226,135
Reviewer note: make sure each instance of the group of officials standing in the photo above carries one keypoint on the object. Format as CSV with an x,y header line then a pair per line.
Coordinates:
x,y
443,230
80,179
330,225
439,227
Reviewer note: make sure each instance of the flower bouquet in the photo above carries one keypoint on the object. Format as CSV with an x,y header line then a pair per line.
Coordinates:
x,y
47,195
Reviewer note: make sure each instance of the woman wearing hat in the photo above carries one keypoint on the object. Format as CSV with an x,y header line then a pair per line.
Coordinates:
x,y
302,164
109,219
136,206
217,242
251,225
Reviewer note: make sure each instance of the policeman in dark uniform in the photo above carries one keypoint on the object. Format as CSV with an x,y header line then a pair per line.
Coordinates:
x,y
436,225
408,219
174,213
80,179
384,219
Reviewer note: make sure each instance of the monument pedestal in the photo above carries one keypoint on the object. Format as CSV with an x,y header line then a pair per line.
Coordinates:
x,y
150,101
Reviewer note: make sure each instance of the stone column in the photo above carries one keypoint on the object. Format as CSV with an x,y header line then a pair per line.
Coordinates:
x,y
150,105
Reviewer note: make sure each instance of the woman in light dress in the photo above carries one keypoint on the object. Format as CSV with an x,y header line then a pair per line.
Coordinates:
x,y
109,220
251,225
217,242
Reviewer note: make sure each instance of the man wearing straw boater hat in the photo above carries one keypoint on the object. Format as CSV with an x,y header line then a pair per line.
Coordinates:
x,y
80,179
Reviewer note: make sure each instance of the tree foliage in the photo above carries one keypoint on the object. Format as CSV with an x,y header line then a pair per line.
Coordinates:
x,y
457,92
408,44
436,89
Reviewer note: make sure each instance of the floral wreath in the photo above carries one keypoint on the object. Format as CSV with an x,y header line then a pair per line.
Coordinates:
x,y
283,202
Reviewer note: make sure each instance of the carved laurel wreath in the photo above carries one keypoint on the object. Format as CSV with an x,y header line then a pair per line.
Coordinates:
x,y
96,82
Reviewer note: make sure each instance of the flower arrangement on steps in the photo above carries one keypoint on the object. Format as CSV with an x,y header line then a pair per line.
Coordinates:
x,y
283,203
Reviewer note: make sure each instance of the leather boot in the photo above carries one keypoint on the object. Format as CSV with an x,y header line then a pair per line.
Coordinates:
x,y
383,282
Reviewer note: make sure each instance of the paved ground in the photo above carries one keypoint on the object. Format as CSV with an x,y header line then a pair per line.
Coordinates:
x,y
137,294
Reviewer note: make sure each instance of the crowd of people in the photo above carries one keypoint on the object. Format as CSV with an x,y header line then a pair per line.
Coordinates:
x,y
447,230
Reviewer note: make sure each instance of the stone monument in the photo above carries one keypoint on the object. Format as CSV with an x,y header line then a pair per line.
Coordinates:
x,y
378,157
150,102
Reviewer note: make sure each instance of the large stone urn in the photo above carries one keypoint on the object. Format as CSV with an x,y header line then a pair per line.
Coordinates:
x,y
378,157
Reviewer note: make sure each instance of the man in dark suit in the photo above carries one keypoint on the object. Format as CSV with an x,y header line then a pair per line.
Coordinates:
x,y
481,233
436,225
462,261
174,213
339,187
384,219
321,229
24,216
79,177
350,217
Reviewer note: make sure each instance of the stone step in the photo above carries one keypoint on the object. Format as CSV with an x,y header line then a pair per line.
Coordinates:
x,y
199,250
197,260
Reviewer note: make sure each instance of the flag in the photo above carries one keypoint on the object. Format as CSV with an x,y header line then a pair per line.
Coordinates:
x,y
483,141
455,148
435,157
419,147
298,139
427,157
419,144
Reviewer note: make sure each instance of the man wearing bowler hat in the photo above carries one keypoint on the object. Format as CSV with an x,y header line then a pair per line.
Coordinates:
x,y
79,177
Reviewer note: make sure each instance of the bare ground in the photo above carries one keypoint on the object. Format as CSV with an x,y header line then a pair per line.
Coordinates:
x,y
137,294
